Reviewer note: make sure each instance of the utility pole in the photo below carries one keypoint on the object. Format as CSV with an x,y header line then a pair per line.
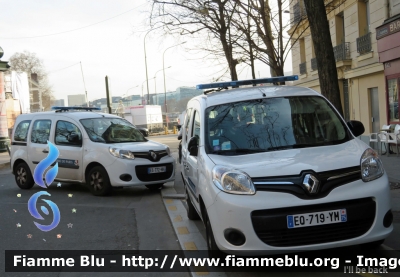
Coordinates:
x,y
84,85
108,97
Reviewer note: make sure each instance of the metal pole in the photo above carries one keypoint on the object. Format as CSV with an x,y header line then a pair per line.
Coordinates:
x,y
165,88
84,85
145,63
145,60
108,97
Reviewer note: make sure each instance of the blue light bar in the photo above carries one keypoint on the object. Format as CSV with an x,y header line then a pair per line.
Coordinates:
x,y
75,108
249,82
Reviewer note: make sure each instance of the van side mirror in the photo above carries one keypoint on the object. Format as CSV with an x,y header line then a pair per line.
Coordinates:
x,y
74,138
356,127
193,146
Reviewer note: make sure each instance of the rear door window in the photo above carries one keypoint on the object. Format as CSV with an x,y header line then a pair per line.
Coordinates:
x,y
41,131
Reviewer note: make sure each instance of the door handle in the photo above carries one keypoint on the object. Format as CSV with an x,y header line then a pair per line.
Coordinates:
x,y
45,151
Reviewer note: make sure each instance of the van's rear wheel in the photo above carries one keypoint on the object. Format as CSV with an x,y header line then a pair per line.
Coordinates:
x,y
23,176
99,182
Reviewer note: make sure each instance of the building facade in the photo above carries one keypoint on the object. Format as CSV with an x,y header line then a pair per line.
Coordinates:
x,y
76,100
361,75
59,103
388,37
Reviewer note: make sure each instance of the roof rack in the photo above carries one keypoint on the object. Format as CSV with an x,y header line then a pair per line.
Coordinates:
x,y
271,80
67,109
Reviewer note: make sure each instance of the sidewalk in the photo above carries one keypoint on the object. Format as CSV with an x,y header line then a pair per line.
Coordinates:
x,y
4,160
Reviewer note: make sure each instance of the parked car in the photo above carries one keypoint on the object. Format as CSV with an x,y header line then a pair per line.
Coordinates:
x,y
144,131
277,168
98,149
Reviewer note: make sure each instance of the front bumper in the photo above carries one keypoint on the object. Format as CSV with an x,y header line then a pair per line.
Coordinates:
x,y
137,170
262,218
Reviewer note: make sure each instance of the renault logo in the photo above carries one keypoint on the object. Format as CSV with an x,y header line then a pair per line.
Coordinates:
x,y
311,184
153,155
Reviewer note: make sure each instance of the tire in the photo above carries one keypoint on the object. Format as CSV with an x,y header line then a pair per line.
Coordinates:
x,y
23,176
180,151
98,181
191,211
211,244
154,186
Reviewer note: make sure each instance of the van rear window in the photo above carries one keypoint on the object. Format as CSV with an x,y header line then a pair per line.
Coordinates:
x,y
21,132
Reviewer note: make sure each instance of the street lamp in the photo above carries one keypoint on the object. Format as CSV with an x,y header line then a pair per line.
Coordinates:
x,y
155,90
123,96
147,80
145,59
165,89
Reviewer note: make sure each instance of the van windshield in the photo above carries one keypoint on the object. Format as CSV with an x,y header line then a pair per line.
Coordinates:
x,y
272,124
111,130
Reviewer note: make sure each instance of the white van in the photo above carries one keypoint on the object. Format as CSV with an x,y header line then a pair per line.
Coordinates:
x,y
277,168
98,149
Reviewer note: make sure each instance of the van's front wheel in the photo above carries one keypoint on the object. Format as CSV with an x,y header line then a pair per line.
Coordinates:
x,y
98,181
23,176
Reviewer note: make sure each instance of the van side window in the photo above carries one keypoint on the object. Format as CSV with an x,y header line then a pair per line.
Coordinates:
x,y
68,133
196,126
41,131
21,132
187,119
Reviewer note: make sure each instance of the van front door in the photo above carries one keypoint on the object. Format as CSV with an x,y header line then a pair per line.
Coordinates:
x,y
68,140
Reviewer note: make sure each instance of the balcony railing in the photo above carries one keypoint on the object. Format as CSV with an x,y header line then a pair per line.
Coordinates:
x,y
303,68
314,64
364,44
342,51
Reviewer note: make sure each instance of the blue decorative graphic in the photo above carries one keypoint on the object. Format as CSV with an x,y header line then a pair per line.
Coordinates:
x,y
34,212
49,178
45,163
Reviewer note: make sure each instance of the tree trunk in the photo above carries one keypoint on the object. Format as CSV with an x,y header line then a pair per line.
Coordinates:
x,y
326,63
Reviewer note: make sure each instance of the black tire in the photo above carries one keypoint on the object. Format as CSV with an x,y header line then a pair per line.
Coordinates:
x,y
191,211
23,176
211,244
154,186
98,181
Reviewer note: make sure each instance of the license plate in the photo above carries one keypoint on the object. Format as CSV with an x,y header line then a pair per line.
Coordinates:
x,y
318,218
159,169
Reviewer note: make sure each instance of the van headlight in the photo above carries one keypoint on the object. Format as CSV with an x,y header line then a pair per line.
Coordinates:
x,y
168,151
232,180
123,154
371,166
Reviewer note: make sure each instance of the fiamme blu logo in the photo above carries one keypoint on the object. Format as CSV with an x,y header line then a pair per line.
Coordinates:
x,y
44,180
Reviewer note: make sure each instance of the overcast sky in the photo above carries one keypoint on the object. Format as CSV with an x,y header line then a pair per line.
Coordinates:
x,y
113,47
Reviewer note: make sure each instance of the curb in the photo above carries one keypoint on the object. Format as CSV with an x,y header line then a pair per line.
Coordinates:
x,y
186,231
5,165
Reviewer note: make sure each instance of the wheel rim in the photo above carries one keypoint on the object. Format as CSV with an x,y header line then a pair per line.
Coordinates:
x,y
96,181
21,176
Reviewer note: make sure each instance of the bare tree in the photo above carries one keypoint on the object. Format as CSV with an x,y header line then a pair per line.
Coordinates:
x,y
211,20
238,30
28,62
326,63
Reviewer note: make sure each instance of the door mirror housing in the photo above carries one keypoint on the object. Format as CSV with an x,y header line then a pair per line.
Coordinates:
x,y
356,127
74,138
193,146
